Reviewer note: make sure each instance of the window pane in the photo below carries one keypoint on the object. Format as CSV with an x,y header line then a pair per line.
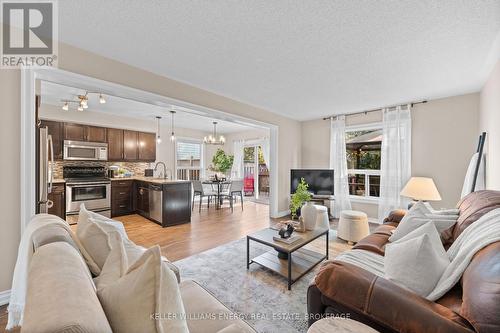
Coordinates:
x,y
356,184
188,154
249,154
374,186
363,149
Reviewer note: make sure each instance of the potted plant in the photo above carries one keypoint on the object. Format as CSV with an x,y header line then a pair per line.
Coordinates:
x,y
221,162
298,198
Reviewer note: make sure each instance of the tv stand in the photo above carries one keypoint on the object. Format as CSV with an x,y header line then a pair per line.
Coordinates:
x,y
324,200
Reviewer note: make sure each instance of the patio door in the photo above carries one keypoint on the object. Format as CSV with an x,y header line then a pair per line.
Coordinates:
x,y
256,174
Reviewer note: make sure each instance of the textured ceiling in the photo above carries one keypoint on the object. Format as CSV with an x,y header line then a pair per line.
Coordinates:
x,y
301,59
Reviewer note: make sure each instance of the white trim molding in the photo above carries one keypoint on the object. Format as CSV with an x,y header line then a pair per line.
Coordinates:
x,y
4,297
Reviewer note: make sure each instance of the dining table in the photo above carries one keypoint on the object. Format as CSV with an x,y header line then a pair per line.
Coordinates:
x,y
219,185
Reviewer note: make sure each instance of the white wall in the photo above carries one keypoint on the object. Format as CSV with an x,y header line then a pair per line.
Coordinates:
x,y
444,136
490,123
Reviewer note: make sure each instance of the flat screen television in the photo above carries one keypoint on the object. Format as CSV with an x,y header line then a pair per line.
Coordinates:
x,y
320,180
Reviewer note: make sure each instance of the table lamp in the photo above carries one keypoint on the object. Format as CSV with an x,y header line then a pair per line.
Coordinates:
x,y
420,189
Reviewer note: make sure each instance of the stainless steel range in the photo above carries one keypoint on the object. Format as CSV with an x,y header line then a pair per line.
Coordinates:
x,y
87,185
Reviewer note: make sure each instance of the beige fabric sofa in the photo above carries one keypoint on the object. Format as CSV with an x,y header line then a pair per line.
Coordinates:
x,y
61,296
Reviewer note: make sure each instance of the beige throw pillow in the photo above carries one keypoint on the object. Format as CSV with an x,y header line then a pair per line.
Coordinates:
x,y
95,241
416,261
145,298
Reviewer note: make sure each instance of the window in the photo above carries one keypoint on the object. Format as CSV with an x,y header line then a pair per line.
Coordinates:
x,y
189,159
363,150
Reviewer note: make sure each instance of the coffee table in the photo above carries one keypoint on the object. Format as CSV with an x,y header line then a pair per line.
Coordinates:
x,y
300,261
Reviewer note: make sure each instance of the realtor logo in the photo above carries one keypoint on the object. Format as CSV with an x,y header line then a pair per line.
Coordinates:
x,y
29,33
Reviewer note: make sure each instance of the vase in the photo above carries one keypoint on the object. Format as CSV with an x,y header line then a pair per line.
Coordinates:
x,y
308,212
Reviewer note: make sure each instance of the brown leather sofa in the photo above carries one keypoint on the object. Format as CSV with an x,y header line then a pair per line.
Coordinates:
x,y
473,305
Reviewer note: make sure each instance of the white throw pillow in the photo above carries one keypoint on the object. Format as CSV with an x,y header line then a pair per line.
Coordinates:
x,y
416,217
85,217
95,241
145,299
416,261
116,263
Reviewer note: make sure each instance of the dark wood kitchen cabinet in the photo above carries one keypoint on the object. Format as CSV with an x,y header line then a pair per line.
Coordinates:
x,y
121,197
115,144
96,134
55,130
147,146
58,197
123,145
130,151
78,132
74,132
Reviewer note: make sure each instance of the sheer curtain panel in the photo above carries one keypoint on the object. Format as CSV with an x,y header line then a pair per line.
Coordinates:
x,y
338,162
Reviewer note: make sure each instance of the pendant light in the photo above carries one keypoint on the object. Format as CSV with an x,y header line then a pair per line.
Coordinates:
x,y
158,138
212,138
65,106
172,134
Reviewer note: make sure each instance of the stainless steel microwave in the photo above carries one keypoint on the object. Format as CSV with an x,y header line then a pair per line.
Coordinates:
x,y
85,151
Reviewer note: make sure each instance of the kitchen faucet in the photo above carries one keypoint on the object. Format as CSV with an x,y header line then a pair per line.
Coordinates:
x,y
164,175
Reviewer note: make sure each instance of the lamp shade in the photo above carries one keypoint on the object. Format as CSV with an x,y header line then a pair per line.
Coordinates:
x,y
421,188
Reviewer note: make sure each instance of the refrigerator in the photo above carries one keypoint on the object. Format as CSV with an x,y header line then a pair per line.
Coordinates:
x,y
45,170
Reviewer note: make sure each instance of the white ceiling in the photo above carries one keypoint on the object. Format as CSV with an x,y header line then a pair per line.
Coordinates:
x,y
53,94
301,59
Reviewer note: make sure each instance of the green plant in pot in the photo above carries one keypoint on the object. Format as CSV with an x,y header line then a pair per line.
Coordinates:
x,y
298,198
221,162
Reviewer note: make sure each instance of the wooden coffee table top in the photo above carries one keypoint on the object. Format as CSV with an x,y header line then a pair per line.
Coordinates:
x,y
265,236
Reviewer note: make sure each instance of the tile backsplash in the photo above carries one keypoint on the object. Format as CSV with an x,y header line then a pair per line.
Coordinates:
x,y
136,167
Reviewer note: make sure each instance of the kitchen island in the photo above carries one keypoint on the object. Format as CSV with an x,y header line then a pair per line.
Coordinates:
x,y
163,201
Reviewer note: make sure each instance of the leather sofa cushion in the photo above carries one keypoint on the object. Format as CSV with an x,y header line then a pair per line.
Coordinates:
x,y
376,241
198,302
481,290
472,207
61,295
51,233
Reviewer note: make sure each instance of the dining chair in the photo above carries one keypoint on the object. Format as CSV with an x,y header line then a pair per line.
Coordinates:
x,y
199,190
235,190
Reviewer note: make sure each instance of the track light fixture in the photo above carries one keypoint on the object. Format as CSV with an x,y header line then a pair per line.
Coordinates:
x,y
83,101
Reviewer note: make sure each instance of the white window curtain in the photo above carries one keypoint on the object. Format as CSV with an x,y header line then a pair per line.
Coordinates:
x,y
395,164
265,151
237,168
338,162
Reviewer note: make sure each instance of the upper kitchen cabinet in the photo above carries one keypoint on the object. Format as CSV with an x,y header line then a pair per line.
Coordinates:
x,y
55,130
130,151
115,144
75,132
78,132
147,146
96,134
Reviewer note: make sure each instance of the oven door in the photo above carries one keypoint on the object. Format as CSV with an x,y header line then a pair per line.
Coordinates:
x,y
95,196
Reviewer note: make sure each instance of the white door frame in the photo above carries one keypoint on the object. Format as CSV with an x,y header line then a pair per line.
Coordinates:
x,y
27,139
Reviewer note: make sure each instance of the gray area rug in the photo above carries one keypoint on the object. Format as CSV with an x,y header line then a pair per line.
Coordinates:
x,y
258,295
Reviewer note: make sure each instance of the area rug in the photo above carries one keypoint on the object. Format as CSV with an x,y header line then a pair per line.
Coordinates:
x,y
258,295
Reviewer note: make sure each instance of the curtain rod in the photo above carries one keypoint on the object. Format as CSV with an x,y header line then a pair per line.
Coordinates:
x,y
373,110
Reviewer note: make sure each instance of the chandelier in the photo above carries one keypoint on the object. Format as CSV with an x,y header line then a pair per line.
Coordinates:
x,y
82,102
212,138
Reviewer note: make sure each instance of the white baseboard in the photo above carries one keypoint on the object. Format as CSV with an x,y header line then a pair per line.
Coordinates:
x,y
282,213
4,297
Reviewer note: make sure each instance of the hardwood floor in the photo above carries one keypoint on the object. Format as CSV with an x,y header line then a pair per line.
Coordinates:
x,y
207,229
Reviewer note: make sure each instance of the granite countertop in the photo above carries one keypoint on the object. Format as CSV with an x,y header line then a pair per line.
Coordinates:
x,y
153,180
